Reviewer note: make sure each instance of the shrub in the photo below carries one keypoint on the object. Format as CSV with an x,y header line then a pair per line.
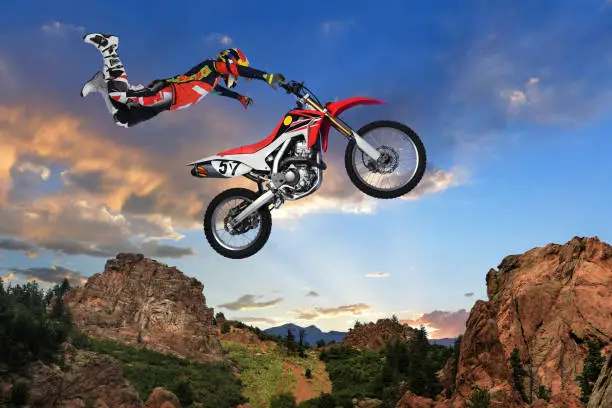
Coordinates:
x,y
308,373
284,400
543,393
480,398
225,328
19,394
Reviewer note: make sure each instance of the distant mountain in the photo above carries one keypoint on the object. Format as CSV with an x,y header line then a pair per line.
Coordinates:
x,y
443,342
312,334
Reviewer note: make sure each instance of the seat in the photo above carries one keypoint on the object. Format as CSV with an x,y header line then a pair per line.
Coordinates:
x,y
255,147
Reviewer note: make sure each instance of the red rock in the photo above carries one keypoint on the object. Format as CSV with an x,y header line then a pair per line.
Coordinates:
x,y
547,302
162,398
375,336
138,295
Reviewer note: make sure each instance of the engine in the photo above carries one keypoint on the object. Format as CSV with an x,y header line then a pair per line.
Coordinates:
x,y
300,150
306,178
301,177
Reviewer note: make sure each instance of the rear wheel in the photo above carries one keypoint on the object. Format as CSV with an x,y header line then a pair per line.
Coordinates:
x,y
400,167
248,237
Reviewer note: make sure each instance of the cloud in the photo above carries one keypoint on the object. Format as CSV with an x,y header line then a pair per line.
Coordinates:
x,y
469,294
41,171
54,274
222,39
377,275
263,320
442,324
10,244
58,28
312,293
332,27
437,180
8,278
248,302
319,312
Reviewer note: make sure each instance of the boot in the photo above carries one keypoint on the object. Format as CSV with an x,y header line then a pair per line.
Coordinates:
x,y
95,84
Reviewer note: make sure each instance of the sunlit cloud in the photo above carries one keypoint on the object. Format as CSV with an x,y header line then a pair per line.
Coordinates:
x,y
249,302
319,312
441,324
377,275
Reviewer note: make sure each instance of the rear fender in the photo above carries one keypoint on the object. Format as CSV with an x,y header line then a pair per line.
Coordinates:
x,y
219,167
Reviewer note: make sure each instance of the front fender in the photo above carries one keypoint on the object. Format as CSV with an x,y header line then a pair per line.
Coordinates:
x,y
336,108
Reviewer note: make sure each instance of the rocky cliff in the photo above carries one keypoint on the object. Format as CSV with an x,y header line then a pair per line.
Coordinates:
x,y
547,302
375,336
139,300
86,379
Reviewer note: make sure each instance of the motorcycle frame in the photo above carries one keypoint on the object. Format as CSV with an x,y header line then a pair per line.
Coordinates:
x,y
317,137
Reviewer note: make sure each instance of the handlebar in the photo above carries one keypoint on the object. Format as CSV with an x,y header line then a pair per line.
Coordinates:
x,y
300,91
293,87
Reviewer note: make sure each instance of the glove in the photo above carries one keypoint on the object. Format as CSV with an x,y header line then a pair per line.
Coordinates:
x,y
245,101
272,79
157,85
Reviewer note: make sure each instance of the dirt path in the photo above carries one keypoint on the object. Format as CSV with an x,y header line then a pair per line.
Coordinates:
x,y
303,388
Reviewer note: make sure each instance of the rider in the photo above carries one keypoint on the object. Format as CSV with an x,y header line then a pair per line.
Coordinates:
x,y
131,104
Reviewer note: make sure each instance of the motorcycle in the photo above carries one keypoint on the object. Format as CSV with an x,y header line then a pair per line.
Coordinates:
x,y
288,165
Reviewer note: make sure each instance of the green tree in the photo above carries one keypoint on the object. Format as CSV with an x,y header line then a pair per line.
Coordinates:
x,y
284,400
308,373
394,319
183,392
290,343
225,328
301,345
543,393
518,373
320,343
593,363
220,316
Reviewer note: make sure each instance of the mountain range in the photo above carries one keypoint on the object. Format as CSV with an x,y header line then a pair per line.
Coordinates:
x,y
313,334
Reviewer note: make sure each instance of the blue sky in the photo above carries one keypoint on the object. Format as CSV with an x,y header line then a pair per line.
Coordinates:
x,y
512,101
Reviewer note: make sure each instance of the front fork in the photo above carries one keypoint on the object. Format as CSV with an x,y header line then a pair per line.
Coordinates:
x,y
345,130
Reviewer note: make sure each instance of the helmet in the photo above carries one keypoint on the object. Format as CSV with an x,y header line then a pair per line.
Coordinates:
x,y
232,56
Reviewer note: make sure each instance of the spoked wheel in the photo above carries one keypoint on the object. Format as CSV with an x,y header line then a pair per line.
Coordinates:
x,y
248,237
400,166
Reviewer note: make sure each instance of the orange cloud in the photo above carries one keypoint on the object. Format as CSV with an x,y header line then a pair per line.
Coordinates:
x,y
441,324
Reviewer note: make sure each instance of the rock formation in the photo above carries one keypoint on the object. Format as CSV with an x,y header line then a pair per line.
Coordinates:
x,y
375,336
547,302
139,300
86,379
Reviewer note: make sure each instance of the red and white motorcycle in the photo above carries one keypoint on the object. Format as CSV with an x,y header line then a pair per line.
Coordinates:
x,y
288,165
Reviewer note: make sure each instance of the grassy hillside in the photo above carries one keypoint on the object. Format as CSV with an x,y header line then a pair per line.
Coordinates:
x,y
266,371
212,385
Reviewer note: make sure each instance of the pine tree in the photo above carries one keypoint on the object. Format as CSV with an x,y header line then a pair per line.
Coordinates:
x,y
593,363
518,373
302,334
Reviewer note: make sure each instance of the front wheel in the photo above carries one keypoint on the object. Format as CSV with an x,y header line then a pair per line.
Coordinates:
x,y
248,237
400,167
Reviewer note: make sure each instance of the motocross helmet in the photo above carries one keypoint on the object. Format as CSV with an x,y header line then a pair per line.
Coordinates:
x,y
232,56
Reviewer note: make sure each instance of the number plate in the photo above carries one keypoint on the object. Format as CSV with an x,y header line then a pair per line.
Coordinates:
x,y
230,168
